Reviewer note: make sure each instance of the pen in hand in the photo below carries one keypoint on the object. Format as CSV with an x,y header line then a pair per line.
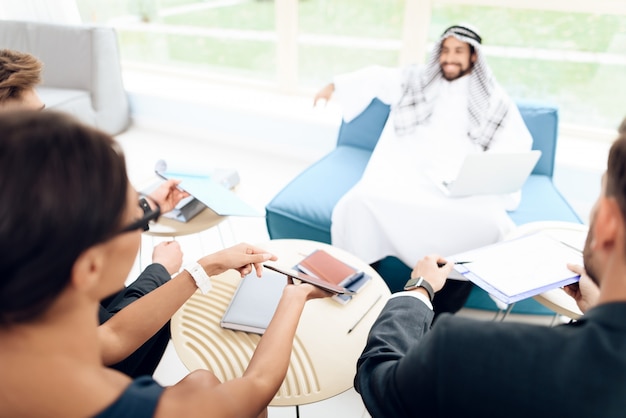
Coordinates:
x,y
456,262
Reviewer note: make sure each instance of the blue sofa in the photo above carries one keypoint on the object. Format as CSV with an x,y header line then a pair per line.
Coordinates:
x,y
303,208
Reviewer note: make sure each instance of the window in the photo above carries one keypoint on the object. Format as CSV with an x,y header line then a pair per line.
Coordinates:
x,y
575,59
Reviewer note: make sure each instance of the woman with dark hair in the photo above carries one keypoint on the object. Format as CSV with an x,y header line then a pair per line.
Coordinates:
x,y
20,74
70,229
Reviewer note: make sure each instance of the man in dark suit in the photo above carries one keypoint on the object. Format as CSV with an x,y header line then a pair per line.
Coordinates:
x,y
469,368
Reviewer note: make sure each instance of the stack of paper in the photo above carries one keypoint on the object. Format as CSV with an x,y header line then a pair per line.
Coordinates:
x,y
520,268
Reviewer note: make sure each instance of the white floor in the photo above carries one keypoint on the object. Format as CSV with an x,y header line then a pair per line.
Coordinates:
x,y
263,173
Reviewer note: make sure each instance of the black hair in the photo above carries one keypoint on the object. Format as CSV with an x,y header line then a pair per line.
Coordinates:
x,y
63,189
622,127
616,172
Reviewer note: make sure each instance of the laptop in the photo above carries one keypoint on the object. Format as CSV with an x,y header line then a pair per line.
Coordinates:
x,y
490,173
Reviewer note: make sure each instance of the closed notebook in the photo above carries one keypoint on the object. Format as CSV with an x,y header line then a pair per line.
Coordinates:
x,y
254,302
326,267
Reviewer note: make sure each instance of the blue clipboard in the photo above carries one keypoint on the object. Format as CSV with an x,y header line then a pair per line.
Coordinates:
x,y
215,196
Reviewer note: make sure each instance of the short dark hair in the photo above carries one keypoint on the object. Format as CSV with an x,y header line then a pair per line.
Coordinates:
x,y
616,172
19,71
63,189
622,127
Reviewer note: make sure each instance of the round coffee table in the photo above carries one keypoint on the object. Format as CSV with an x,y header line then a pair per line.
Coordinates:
x,y
166,227
324,355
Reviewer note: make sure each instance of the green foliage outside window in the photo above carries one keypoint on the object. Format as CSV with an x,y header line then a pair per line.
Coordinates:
x,y
576,60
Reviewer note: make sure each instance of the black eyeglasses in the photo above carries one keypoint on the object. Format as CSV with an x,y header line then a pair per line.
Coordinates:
x,y
149,214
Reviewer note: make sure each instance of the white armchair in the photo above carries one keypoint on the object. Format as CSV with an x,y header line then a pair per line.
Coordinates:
x,y
82,73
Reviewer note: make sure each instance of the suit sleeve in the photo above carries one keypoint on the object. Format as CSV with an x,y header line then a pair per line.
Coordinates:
x,y
400,327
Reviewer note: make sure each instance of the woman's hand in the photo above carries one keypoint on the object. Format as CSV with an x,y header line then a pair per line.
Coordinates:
x,y
242,257
167,195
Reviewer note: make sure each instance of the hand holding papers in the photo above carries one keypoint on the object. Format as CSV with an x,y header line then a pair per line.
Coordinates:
x,y
207,190
520,268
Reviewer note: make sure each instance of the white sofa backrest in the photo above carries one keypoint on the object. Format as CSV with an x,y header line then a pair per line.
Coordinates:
x,y
76,57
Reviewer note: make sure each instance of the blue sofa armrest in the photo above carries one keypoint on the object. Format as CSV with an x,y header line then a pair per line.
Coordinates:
x,y
542,121
541,200
364,130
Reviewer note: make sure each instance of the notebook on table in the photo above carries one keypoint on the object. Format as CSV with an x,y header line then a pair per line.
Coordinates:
x,y
325,266
254,302
490,173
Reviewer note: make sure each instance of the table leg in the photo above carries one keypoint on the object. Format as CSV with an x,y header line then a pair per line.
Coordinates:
x,y
508,311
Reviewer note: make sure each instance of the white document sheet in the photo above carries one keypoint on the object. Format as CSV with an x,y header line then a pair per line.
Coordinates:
x,y
520,268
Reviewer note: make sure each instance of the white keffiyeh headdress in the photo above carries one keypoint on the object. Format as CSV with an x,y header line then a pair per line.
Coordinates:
x,y
487,105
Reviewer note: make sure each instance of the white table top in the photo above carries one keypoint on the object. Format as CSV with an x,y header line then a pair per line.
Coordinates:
x,y
323,360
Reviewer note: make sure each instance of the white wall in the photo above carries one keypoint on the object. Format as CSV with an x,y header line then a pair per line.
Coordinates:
x,y
57,11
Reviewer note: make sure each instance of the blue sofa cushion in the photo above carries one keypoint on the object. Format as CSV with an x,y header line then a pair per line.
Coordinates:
x,y
541,201
304,207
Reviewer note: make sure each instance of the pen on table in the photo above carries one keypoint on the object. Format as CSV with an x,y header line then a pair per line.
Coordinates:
x,y
365,314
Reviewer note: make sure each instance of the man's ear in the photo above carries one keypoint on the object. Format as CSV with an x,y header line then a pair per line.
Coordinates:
x,y
473,57
608,224
88,268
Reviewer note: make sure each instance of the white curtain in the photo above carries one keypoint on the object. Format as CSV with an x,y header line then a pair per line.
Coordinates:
x,y
53,11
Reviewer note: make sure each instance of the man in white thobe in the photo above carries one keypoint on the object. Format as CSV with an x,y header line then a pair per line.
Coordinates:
x,y
440,112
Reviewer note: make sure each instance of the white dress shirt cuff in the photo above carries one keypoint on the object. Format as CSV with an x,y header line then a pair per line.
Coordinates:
x,y
417,295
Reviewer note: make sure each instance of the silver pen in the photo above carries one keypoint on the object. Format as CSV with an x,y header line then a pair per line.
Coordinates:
x,y
365,314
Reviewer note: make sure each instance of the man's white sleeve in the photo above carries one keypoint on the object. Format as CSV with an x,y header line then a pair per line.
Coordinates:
x,y
354,91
